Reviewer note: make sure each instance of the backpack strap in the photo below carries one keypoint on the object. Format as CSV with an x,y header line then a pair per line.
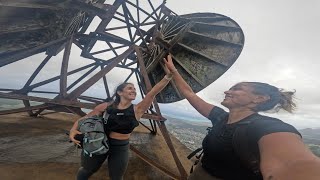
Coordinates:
x,y
198,157
92,152
193,153
105,116
245,148
93,140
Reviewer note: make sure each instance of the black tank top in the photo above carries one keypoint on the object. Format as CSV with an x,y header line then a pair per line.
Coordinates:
x,y
220,156
121,120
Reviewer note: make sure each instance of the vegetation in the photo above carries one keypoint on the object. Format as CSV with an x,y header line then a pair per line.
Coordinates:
x,y
315,149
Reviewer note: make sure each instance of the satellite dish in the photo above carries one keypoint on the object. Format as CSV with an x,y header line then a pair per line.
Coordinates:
x,y
203,47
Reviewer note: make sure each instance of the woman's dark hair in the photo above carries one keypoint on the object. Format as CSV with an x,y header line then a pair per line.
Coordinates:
x,y
120,88
279,99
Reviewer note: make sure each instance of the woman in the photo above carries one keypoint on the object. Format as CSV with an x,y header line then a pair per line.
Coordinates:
x,y
122,120
245,145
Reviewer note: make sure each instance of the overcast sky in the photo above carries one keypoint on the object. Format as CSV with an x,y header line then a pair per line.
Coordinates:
x,y
281,48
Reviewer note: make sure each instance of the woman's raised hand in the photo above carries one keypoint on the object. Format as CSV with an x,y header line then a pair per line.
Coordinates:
x,y
168,62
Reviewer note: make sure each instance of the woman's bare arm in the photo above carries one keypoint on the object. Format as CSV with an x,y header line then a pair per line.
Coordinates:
x,y
199,104
148,99
283,155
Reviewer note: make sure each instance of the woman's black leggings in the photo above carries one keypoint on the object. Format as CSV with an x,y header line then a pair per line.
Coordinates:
x,y
117,161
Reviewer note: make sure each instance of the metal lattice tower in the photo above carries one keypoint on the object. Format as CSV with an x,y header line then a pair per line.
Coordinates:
x,y
133,35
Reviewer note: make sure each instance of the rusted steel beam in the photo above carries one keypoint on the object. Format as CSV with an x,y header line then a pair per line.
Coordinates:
x,y
95,98
82,88
106,20
167,46
9,3
111,13
82,77
105,83
147,82
91,99
64,68
135,24
151,15
41,92
25,109
142,92
7,89
58,77
122,20
112,48
115,28
130,64
77,43
11,59
143,70
27,104
77,111
28,25
153,163
105,36
106,50
151,130
138,12
161,124
154,126
36,72
62,102
138,77
55,49
165,10
165,134
126,13
157,16
86,24
142,10
40,111
92,9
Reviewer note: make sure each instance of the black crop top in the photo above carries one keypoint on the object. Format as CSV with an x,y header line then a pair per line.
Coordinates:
x,y
121,120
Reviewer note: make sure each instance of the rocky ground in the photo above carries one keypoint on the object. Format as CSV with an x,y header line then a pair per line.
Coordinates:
x,y
38,148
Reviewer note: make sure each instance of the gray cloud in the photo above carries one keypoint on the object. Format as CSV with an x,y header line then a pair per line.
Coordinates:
x,y
281,48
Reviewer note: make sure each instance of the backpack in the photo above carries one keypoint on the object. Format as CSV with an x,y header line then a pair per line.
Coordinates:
x,y
95,140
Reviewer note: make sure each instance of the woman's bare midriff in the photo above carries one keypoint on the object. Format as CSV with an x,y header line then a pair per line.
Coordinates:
x,y
119,136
